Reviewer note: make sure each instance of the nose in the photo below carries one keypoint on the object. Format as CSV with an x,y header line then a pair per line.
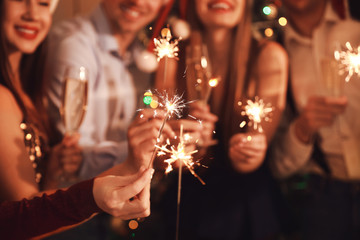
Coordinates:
x,y
31,11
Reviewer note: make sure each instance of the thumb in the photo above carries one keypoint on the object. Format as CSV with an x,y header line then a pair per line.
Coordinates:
x,y
137,185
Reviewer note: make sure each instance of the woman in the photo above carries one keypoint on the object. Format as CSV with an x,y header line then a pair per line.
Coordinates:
x,y
236,202
23,123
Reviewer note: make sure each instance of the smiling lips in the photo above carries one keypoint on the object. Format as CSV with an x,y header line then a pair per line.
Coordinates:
x,y
27,32
130,12
221,6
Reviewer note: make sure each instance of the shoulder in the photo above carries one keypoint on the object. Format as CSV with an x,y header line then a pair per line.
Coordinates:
x,y
271,54
345,31
8,105
78,30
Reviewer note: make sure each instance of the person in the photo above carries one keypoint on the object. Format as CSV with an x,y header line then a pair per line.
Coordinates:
x,y
314,149
106,44
35,217
24,26
236,202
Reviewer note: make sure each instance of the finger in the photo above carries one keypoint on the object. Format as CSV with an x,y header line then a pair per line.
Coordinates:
x,y
188,125
236,156
138,185
134,215
70,139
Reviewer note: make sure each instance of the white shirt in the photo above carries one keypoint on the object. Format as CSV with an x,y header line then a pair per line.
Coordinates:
x,y
114,88
341,141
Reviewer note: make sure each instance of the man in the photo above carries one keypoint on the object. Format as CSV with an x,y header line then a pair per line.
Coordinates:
x,y
319,141
106,45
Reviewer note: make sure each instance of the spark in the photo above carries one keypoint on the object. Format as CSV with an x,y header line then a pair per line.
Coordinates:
x,y
165,46
256,111
179,154
173,105
349,60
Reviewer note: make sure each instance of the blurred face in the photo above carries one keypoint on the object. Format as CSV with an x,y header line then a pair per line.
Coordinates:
x,y
26,23
130,16
220,13
299,6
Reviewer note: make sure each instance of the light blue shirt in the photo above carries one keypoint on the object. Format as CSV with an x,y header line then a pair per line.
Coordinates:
x,y
114,87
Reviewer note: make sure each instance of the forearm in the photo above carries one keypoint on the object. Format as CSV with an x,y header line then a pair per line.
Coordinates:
x,y
289,154
30,218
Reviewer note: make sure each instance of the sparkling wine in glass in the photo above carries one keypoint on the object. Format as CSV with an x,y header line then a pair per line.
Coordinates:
x,y
74,98
73,107
332,80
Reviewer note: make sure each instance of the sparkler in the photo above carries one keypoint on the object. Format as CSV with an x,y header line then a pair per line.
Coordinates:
x,y
173,106
179,154
165,48
349,61
256,111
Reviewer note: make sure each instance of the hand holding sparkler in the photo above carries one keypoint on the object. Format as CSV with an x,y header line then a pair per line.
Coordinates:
x,y
207,120
143,135
247,151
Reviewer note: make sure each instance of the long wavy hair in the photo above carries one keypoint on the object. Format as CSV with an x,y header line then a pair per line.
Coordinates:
x,y
29,95
237,82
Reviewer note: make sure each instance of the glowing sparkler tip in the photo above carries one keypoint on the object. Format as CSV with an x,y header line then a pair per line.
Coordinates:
x,y
256,111
178,153
164,47
349,60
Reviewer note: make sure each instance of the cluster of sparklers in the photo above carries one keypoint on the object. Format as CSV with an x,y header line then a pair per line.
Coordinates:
x,y
349,60
257,111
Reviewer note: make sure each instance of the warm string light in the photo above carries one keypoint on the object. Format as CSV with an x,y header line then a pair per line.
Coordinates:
x,y
212,83
349,60
257,111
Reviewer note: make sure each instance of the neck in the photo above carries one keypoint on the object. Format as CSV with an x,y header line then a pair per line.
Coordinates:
x,y
124,41
305,22
14,61
219,46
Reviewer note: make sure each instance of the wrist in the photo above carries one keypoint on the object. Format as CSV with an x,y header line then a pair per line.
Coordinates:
x,y
302,133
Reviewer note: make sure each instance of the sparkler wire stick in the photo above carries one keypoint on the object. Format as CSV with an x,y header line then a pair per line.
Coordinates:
x,y
179,190
158,139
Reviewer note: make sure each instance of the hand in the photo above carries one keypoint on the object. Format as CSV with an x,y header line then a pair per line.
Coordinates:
x,y
142,136
247,151
126,197
65,158
319,112
202,112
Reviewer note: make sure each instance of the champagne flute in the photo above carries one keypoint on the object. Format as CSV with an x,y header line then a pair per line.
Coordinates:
x,y
73,101
332,80
334,83
74,98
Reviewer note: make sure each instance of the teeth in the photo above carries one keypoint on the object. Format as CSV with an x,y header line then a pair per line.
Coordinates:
x,y
26,30
131,12
220,6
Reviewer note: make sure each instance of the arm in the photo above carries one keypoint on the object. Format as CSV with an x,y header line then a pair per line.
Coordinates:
x,y
40,215
294,141
17,176
248,153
